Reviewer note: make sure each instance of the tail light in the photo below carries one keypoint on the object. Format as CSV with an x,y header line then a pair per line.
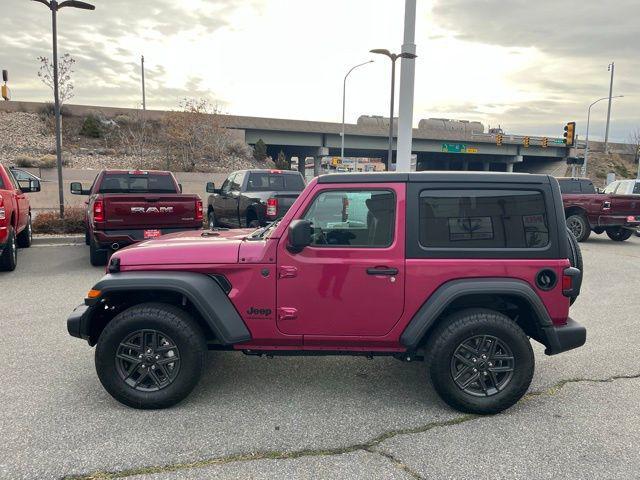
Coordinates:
x,y
199,212
632,218
2,210
571,282
272,207
98,211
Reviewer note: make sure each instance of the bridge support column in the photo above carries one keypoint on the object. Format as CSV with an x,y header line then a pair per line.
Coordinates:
x,y
465,164
515,159
486,165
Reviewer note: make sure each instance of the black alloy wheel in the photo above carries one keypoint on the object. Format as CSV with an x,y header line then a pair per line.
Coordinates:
x,y
148,360
482,365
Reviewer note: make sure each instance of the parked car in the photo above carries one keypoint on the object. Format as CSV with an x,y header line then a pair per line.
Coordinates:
x,y
459,269
15,215
616,211
252,198
125,207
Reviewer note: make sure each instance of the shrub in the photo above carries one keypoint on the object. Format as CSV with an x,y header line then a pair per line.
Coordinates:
x,y
238,150
260,150
48,161
92,127
50,222
26,161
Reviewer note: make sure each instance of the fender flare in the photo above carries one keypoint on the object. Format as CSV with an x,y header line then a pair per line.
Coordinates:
x,y
450,291
203,291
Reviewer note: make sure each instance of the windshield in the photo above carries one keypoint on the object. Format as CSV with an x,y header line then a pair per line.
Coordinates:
x,y
137,183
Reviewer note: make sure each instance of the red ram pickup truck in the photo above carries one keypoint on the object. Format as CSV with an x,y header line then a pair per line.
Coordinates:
x,y
125,207
616,211
15,216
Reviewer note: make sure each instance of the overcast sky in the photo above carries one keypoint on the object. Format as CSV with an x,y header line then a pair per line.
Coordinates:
x,y
528,65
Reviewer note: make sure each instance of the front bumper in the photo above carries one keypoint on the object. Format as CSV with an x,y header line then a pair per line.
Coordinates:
x,y
560,338
78,322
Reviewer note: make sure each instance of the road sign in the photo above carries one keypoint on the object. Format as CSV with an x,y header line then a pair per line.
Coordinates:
x,y
472,150
454,148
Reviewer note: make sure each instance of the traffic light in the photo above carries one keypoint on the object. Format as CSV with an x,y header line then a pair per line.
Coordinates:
x,y
545,142
526,142
570,134
499,139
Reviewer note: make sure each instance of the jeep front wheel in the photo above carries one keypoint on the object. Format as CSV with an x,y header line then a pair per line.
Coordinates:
x,y
150,356
480,361
579,227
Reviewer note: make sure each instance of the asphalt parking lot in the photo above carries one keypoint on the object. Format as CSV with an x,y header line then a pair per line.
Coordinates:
x,y
333,417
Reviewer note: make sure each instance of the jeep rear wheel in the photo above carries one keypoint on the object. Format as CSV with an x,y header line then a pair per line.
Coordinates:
x,y
619,234
480,361
150,356
579,227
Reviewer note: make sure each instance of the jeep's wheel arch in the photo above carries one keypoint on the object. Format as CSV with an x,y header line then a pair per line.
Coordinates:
x,y
432,310
204,293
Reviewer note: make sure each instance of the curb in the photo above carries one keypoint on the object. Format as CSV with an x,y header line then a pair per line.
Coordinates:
x,y
42,240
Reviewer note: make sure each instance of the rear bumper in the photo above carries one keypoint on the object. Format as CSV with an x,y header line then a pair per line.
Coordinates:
x,y
618,221
106,238
78,321
560,338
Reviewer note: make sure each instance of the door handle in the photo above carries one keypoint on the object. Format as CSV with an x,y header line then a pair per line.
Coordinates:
x,y
382,271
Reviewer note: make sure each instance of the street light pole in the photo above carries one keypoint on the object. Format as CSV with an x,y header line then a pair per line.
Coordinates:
x,y
407,81
344,102
586,148
54,6
393,57
611,68
144,96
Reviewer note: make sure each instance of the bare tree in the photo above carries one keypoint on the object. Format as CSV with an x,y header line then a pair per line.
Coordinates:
x,y
65,75
193,134
634,144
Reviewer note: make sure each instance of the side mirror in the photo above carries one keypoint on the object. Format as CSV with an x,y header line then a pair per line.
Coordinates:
x,y
180,187
211,188
34,185
299,235
76,188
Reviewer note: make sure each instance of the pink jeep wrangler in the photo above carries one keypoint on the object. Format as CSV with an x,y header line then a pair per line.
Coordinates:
x,y
458,269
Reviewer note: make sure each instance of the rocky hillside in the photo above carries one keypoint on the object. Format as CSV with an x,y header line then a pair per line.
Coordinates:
x,y
28,140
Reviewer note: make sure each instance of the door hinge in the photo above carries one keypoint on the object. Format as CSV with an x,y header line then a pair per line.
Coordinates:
x,y
287,272
287,313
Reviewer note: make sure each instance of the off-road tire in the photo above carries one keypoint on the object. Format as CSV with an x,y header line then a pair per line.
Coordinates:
x,y
579,227
87,238
9,258
25,237
97,256
619,234
575,256
458,328
173,322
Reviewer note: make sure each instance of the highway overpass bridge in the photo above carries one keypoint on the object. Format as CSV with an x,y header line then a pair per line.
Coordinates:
x,y
435,149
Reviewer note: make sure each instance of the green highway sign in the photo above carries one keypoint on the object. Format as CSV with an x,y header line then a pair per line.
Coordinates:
x,y
454,148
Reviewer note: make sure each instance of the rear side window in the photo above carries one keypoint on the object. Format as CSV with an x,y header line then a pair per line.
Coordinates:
x,y
587,187
137,183
636,188
496,219
274,182
2,187
569,186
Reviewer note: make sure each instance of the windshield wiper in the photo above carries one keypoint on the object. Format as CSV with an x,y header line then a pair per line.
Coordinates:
x,y
261,232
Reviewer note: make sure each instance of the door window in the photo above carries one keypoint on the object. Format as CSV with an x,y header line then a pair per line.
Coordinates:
x,y
352,218
226,186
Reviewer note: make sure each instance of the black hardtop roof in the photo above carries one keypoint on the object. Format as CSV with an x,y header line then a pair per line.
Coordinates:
x,y
432,176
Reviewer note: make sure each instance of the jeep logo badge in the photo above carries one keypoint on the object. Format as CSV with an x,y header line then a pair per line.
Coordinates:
x,y
260,312
152,210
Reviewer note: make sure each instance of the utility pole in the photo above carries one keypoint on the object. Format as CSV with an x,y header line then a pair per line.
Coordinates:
x,y
611,68
144,97
407,83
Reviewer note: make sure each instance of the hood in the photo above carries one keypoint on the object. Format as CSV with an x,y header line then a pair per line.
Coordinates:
x,y
200,246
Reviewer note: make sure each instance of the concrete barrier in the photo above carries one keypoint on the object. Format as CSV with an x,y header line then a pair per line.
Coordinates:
x,y
47,199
